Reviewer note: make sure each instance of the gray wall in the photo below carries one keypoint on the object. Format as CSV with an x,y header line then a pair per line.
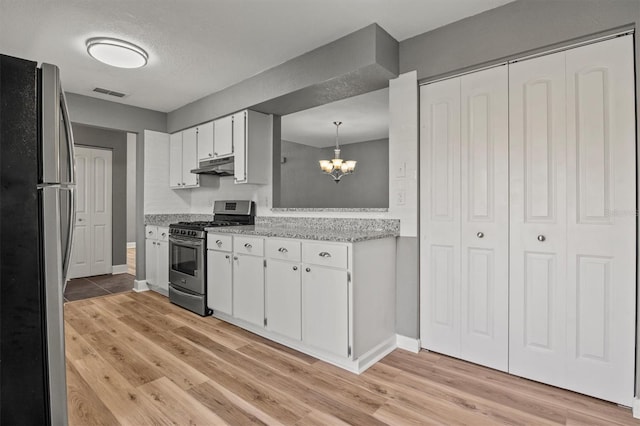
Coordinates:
x,y
111,115
357,63
116,141
303,184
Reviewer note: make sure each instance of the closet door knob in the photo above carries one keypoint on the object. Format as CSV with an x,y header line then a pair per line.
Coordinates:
x,y
308,269
541,238
480,235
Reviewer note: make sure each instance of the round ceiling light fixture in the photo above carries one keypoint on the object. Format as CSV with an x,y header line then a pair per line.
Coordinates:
x,y
117,53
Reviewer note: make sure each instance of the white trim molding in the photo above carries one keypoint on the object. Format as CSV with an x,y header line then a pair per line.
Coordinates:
x,y
140,285
636,408
119,269
408,343
131,245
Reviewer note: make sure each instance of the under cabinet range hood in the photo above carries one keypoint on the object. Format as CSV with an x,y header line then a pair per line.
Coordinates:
x,y
215,166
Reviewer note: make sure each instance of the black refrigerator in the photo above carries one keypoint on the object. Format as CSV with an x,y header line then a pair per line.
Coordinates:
x,y
37,208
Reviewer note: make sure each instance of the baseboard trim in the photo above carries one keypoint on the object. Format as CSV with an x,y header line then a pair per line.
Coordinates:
x,y
636,408
131,245
408,343
140,285
119,269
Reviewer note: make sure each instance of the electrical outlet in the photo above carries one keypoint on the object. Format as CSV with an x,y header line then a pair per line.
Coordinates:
x,y
400,197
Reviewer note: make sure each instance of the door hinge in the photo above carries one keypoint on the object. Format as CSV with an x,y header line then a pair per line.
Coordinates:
x,y
348,276
349,351
265,322
265,263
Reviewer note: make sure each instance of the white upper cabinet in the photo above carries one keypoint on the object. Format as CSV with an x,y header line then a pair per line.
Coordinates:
x,y
205,141
223,136
252,142
183,157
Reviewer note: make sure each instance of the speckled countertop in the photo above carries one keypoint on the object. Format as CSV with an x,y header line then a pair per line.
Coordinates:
x,y
167,219
337,235
346,230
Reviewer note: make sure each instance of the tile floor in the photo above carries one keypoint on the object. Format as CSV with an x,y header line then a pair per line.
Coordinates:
x,y
99,285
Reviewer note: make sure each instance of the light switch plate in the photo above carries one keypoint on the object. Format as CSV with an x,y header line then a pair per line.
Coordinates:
x,y
401,170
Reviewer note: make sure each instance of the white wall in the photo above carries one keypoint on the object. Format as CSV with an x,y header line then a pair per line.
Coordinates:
x,y
158,197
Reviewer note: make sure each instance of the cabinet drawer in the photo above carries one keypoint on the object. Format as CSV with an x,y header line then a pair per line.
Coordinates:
x,y
283,249
219,242
163,234
323,254
151,232
248,245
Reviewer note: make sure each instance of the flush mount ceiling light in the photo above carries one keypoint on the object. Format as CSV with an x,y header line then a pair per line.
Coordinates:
x,y
337,167
117,53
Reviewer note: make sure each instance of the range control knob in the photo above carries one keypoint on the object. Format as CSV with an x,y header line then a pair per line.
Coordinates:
x,y
193,233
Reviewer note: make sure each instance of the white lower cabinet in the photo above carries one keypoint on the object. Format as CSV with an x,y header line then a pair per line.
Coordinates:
x,y
334,301
157,258
283,298
219,281
248,288
325,309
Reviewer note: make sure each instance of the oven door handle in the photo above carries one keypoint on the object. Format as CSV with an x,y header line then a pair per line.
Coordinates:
x,y
196,244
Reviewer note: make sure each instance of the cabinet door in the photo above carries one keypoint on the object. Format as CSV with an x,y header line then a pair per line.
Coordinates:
x,y
219,284
601,219
538,275
484,286
440,217
162,267
239,146
283,298
151,261
325,313
205,141
223,136
248,288
189,157
175,160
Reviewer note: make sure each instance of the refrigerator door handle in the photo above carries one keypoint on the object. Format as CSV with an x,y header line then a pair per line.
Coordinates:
x,y
69,243
71,148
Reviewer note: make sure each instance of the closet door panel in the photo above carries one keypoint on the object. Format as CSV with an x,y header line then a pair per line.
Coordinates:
x,y
440,216
537,133
601,186
485,217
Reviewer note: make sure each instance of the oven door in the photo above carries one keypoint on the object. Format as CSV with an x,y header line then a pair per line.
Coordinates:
x,y
187,263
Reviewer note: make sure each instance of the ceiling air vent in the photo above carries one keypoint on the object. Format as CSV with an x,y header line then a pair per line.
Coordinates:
x,y
109,92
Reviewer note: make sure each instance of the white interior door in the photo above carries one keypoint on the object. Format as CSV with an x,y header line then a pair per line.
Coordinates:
x,y
484,288
601,226
92,246
537,124
440,217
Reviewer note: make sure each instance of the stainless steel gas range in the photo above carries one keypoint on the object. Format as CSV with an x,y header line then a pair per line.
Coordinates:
x,y
188,253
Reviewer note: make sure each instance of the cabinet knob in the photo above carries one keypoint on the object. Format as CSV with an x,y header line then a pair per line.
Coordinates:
x,y
219,243
215,153
209,154
247,246
183,183
541,238
227,257
235,257
308,269
295,268
150,232
283,250
480,235
164,233
325,254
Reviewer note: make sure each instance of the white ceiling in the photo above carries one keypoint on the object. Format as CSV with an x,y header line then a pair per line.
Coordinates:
x,y
364,118
198,47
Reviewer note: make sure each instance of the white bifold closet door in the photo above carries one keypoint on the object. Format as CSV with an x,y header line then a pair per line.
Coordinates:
x,y
573,220
464,217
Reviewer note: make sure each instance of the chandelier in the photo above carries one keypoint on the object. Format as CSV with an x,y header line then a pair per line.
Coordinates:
x,y
337,167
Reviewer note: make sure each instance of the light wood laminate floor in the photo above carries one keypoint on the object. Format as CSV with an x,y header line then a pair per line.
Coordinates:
x,y
135,359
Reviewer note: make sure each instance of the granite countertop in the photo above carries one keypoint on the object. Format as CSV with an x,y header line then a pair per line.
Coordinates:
x,y
302,233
